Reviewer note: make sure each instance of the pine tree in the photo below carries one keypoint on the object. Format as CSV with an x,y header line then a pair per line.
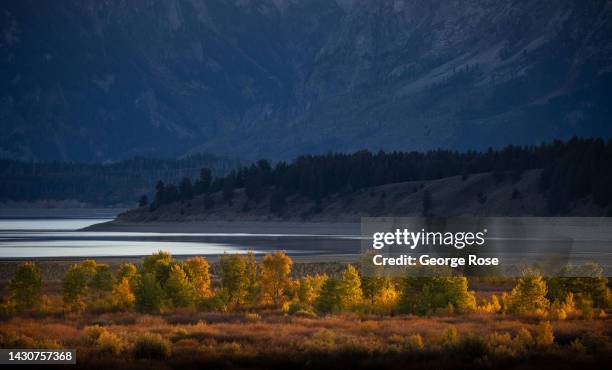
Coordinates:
x,y
143,201
205,181
529,295
372,280
329,300
186,189
422,295
309,288
350,288
228,189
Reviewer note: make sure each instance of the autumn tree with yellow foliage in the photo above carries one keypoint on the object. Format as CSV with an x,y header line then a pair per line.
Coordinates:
x,y
275,270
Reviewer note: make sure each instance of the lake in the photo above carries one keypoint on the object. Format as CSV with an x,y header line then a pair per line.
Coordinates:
x,y
48,233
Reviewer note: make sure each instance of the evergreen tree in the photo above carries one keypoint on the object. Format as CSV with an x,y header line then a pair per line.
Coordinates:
x,y
330,299
143,201
205,181
277,202
529,295
372,279
584,281
185,189
208,202
423,295
427,203
228,189
309,288
350,288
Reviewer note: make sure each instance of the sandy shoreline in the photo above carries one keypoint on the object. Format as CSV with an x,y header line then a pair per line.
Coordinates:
x,y
249,227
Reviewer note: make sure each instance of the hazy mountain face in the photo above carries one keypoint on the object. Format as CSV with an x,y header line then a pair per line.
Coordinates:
x,y
93,80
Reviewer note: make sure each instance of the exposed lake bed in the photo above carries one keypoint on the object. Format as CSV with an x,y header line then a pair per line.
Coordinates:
x,y
55,236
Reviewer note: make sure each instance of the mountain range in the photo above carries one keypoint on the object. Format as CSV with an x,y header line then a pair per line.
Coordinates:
x,y
90,80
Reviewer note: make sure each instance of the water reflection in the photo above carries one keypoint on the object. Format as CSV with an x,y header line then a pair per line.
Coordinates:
x,y
23,238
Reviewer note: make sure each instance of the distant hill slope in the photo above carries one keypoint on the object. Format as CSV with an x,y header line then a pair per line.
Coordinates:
x,y
97,80
119,183
479,194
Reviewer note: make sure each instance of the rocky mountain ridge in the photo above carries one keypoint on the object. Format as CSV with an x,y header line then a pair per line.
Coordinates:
x,y
91,80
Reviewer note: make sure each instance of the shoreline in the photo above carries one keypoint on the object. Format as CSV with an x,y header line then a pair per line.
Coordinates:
x,y
248,227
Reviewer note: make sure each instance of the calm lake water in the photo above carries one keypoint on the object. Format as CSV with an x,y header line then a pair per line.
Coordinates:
x,y
55,233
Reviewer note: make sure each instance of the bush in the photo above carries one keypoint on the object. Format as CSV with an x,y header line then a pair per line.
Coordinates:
x,y
545,336
586,309
449,337
152,346
583,281
92,333
301,310
502,345
415,342
214,303
323,339
110,343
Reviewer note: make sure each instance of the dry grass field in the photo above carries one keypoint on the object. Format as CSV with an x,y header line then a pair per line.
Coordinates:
x,y
188,339
477,324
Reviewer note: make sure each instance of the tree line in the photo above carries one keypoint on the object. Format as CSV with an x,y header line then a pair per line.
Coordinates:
x,y
572,170
162,284
99,183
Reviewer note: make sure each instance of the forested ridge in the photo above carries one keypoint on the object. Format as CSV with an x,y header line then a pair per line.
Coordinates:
x,y
571,170
102,184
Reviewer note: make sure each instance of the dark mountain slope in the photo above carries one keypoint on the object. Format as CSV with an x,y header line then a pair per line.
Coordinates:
x,y
91,80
